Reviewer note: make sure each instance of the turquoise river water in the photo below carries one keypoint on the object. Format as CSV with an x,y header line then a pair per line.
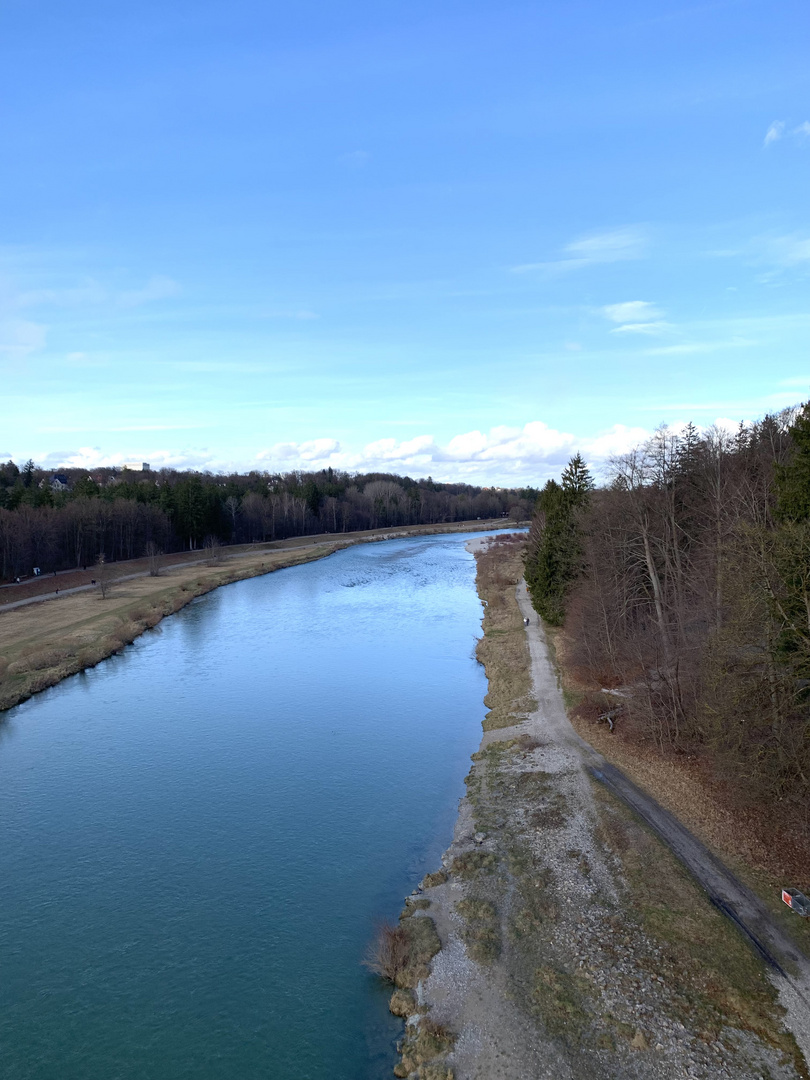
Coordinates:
x,y
199,834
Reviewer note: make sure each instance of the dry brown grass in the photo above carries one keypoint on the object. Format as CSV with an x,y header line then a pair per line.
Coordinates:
x,y
424,1051
503,650
437,878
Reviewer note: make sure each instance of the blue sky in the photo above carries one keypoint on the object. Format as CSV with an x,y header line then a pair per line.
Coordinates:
x,y
458,239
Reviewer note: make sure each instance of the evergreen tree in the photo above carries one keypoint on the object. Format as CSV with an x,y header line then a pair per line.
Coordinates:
x,y
793,478
554,553
789,588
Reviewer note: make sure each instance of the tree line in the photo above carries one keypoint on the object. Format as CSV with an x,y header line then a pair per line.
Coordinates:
x,y
684,585
124,515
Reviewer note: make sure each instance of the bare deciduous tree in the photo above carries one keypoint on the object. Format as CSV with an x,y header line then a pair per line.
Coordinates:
x,y
103,576
212,549
154,555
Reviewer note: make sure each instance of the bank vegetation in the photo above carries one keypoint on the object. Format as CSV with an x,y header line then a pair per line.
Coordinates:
x,y
683,589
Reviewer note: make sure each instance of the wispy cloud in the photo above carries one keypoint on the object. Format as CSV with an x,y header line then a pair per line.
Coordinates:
x,y
89,292
20,337
774,132
659,327
631,310
635,317
688,348
615,245
157,288
774,252
788,250
594,249
779,130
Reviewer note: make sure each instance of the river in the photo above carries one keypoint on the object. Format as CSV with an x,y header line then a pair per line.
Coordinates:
x,y
199,834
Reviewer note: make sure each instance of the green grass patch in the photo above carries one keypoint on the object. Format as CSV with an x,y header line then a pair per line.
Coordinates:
x,y
482,929
559,998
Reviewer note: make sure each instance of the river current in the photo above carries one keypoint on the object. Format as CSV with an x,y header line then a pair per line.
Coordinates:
x,y
198,836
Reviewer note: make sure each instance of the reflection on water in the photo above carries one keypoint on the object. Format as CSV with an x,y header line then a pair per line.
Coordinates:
x,y
199,834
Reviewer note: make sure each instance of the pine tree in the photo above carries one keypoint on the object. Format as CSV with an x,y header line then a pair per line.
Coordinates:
x,y
793,479
554,552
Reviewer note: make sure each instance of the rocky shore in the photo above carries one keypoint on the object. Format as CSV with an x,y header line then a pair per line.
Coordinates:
x,y
573,945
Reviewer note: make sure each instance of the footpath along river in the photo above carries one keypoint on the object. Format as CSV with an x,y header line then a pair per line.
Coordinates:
x,y
197,836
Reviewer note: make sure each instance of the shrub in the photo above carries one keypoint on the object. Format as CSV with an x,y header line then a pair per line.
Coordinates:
x,y
388,955
401,954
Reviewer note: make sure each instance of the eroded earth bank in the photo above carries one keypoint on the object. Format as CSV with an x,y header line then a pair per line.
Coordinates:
x,y
573,943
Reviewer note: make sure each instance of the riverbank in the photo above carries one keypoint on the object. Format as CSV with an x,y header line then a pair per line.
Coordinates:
x,y
573,944
47,636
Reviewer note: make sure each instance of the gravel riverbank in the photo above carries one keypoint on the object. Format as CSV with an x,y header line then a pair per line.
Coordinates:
x,y
574,945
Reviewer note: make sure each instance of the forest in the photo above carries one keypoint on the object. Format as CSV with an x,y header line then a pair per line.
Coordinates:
x,y
69,520
683,584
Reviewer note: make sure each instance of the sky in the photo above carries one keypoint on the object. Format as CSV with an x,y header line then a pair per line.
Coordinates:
x,y
459,239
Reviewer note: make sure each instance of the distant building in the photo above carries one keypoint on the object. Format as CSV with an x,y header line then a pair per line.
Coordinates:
x,y
136,466
59,482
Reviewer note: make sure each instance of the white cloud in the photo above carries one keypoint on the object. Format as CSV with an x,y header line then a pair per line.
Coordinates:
x,y
594,249
779,129
642,328
774,132
616,440
315,450
92,457
504,455
638,310
636,317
